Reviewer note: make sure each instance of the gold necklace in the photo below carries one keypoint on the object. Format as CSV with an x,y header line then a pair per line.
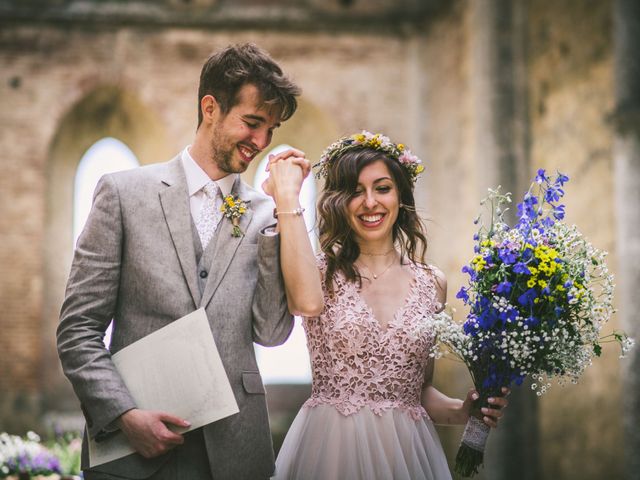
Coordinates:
x,y
372,254
375,276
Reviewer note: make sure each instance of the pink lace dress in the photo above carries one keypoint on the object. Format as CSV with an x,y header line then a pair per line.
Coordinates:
x,y
364,419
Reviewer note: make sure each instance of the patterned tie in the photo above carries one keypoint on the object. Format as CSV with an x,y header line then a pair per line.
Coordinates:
x,y
210,213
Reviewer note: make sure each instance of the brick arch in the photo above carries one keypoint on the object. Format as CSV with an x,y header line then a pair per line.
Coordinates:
x,y
106,111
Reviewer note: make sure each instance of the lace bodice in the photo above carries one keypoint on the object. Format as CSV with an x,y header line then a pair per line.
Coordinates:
x,y
355,362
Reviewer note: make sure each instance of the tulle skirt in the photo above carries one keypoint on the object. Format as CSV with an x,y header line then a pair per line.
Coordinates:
x,y
323,444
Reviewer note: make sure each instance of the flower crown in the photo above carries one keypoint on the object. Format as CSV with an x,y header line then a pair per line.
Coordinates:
x,y
411,163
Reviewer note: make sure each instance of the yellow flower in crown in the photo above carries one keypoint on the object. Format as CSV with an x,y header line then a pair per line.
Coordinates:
x,y
411,164
233,208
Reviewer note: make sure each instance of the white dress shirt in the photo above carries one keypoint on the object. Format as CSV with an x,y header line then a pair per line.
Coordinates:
x,y
197,178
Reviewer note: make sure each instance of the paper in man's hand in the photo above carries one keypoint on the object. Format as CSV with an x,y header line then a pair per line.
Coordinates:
x,y
177,370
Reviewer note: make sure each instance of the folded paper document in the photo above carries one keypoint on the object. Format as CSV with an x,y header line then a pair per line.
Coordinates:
x,y
177,370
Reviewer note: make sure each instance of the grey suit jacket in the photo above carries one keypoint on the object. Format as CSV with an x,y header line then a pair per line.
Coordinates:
x,y
135,263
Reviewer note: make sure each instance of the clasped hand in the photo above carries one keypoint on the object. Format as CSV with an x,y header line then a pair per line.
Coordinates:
x,y
287,170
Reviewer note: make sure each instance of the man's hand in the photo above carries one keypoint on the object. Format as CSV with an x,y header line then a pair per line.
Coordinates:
x,y
148,433
287,171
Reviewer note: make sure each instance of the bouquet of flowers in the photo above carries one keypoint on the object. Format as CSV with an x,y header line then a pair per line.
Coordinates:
x,y
539,293
26,457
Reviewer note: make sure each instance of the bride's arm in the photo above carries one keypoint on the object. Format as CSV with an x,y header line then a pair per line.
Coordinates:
x,y
443,410
300,272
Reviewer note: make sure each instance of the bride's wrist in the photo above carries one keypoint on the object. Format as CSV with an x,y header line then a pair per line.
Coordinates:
x,y
463,412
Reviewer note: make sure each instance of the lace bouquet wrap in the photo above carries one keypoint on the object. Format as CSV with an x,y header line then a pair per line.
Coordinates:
x,y
538,295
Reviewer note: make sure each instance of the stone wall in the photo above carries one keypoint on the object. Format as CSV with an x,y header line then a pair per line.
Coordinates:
x,y
572,94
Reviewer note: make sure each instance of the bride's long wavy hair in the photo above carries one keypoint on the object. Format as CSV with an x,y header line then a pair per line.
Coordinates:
x,y
337,239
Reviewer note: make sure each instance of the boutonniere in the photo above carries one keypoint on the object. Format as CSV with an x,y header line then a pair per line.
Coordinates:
x,y
233,208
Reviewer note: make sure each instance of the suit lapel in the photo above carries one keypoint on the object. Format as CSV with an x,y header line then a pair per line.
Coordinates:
x,y
177,213
224,245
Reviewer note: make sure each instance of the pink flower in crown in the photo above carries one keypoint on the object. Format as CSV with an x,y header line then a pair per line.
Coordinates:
x,y
408,158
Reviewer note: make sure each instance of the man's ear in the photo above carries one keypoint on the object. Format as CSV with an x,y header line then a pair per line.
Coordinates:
x,y
209,107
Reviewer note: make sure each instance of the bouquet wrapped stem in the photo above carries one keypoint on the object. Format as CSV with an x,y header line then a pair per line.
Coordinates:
x,y
470,454
471,451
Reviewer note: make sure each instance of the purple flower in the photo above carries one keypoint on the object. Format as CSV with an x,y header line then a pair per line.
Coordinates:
x,y
470,327
553,194
541,177
547,222
532,321
526,209
562,179
468,270
463,295
507,255
508,315
504,287
521,268
527,297
558,212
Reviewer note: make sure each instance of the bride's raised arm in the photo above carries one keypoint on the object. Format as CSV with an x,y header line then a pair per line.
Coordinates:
x,y
287,171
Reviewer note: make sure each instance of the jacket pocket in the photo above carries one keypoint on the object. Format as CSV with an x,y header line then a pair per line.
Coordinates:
x,y
252,383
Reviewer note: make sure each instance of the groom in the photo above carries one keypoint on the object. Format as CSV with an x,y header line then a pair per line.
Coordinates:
x,y
155,248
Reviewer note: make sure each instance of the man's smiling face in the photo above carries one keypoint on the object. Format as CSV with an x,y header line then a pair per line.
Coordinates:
x,y
243,132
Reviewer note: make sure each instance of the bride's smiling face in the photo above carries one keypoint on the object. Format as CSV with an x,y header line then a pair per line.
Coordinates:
x,y
373,208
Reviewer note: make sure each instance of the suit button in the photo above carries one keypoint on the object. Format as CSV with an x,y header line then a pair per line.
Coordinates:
x,y
203,274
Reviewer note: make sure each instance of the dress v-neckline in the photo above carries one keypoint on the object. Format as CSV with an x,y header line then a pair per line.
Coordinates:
x,y
400,310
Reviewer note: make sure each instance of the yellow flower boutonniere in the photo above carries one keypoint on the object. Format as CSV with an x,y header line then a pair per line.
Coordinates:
x,y
233,208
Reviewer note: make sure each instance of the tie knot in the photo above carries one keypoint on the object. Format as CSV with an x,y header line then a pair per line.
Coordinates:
x,y
211,190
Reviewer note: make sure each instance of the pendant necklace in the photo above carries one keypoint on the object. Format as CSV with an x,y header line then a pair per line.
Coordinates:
x,y
375,276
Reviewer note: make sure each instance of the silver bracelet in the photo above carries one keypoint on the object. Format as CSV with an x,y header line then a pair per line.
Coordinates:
x,y
297,212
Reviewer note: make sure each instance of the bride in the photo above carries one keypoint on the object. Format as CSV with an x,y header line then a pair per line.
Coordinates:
x,y
373,406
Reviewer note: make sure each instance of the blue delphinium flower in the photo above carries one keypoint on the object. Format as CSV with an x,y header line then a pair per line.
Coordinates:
x,y
526,209
470,271
507,255
463,295
558,212
553,194
547,222
527,297
541,177
562,179
521,268
504,287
